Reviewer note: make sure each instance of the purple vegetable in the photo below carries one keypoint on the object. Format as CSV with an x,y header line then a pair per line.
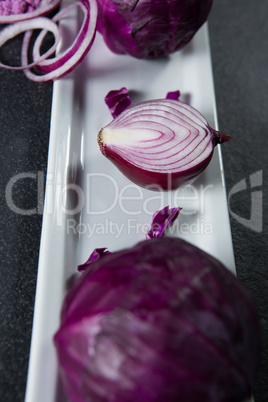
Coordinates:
x,y
150,28
64,62
94,256
117,101
162,321
11,7
160,144
162,220
19,10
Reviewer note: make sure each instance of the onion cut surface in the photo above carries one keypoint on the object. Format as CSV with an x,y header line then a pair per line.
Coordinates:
x,y
64,62
160,144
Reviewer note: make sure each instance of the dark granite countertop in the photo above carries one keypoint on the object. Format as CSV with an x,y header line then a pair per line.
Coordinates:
x,y
238,36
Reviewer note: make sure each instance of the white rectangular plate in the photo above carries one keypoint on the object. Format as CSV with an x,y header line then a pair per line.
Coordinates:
x,y
90,204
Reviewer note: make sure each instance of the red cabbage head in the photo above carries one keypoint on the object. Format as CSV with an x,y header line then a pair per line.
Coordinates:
x,y
150,28
162,321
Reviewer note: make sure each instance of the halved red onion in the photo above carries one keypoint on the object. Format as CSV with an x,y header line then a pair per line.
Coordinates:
x,y
66,61
160,144
43,8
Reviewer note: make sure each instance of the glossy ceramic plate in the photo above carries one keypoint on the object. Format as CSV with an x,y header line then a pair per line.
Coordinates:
x,y
90,204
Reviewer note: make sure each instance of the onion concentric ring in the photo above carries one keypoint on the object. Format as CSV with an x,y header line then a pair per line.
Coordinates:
x,y
159,144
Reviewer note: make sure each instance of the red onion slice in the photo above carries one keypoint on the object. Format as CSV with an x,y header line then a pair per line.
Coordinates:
x,y
160,144
45,7
64,63
37,23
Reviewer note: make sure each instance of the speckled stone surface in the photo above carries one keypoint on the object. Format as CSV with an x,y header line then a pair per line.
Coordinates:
x,y
238,36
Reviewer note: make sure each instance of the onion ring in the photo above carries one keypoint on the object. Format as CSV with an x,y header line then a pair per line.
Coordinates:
x,y
64,63
15,29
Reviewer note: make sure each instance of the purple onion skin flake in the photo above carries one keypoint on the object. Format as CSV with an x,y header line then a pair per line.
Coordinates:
x,y
94,256
161,321
117,101
162,221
